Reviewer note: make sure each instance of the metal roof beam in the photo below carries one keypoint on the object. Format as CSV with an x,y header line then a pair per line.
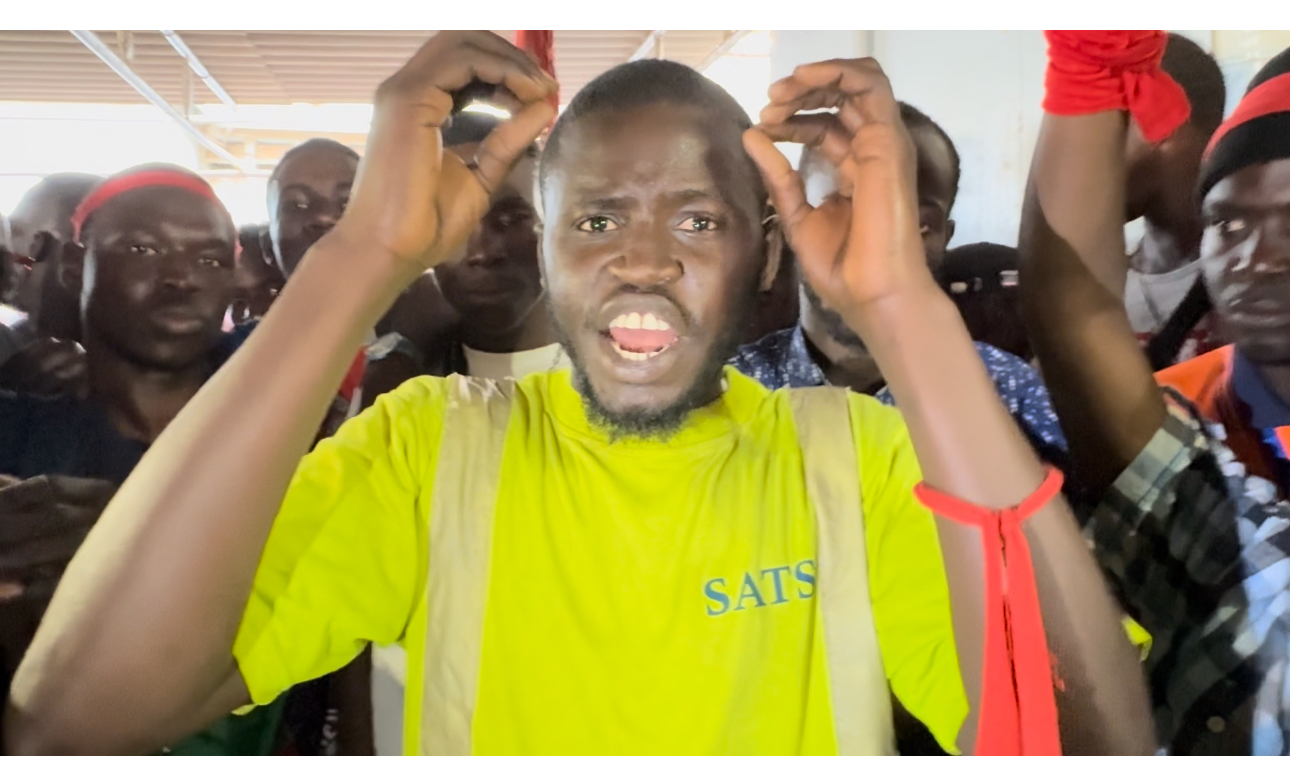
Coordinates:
x,y
732,39
198,67
123,70
652,42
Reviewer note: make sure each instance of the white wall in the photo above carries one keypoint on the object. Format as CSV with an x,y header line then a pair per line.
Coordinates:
x,y
985,89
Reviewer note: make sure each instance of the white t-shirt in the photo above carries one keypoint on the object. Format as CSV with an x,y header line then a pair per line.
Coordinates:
x,y
1151,298
389,664
514,365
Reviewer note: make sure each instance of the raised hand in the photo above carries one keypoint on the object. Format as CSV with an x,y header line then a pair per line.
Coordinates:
x,y
48,366
862,244
411,198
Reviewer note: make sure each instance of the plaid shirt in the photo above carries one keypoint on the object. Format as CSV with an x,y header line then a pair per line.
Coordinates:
x,y
1200,553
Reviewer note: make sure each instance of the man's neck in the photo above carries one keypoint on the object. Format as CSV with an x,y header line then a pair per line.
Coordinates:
x,y
531,333
844,365
139,401
1167,244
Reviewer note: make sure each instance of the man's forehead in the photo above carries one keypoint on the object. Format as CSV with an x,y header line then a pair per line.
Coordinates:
x,y
319,166
162,208
935,165
603,151
1259,185
519,182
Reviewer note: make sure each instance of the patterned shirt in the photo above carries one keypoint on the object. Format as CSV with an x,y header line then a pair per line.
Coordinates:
x,y
1200,553
782,359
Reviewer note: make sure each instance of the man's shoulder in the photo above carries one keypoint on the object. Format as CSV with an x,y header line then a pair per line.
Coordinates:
x,y
1001,361
771,361
1199,378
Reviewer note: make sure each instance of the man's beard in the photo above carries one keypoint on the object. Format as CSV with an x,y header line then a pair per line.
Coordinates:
x,y
834,325
661,424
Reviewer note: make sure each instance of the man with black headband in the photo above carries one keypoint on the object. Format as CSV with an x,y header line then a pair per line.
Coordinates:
x,y
1192,530
640,555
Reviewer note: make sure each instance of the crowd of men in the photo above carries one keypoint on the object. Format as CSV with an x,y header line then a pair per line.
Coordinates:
x,y
618,434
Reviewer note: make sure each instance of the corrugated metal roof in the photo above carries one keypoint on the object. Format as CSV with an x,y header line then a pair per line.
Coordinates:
x,y
280,67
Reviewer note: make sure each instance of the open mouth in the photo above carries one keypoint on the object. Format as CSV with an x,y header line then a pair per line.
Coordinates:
x,y
640,336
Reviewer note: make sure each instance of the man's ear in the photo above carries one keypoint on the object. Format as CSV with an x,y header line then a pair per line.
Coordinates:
x,y
773,235
71,268
266,248
949,231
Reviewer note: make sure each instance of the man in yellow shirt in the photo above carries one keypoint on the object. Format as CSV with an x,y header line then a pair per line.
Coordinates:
x,y
649,554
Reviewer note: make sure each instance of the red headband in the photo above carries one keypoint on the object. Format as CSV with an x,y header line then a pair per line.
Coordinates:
x,y
1271,97
109,189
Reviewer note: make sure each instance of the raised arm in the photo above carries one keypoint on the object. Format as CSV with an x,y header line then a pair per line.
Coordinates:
x,y
136,649
861,251
1073,265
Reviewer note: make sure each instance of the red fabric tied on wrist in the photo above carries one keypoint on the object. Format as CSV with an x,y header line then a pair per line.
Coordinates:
x,y
1018,707
540,44
353,377
1094,71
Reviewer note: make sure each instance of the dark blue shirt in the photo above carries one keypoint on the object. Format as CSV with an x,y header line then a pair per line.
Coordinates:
x,y
782,359
65,435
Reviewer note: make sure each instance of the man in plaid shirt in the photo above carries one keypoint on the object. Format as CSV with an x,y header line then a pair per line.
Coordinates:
x,y
1188,518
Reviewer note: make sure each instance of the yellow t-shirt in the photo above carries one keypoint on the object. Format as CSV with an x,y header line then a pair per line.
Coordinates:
x,y
644,597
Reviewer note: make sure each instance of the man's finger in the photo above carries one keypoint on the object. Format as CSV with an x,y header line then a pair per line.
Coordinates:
x,y
821,132
452,70
504,145
784,185
810,100
861,80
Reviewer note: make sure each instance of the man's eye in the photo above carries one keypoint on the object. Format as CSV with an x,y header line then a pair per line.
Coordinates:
x,y
698,224
210,262
597,224
142,249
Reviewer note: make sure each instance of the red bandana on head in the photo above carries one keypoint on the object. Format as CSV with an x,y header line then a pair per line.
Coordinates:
x,y
113,187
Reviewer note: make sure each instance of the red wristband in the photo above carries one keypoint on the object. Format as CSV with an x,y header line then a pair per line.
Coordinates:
x,y
1018,707
354,376
1093,71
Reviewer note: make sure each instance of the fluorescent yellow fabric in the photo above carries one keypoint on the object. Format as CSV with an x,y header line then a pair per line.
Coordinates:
x,y
645,597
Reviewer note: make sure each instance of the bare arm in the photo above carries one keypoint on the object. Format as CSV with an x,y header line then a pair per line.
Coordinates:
x,y
1072,290
875,275
136,649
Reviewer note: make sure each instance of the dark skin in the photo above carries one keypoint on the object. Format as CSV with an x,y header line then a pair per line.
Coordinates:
x,y
156,277
836,349
42,523
681,238
493,279
48,366
1160,179
256,278
40,226
494,282
308,195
